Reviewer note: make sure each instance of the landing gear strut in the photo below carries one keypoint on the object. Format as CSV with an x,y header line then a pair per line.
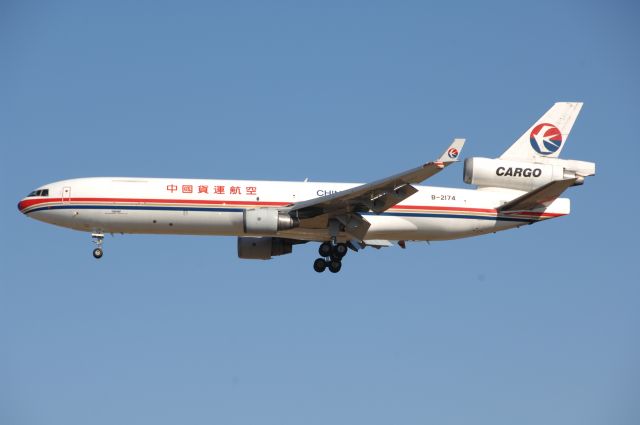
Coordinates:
x,y
98,238
332,254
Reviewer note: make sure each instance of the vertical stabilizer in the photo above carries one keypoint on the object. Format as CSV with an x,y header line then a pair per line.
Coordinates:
x,y
547,137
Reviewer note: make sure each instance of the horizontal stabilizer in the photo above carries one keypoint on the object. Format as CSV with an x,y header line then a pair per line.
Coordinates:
x,y
538,198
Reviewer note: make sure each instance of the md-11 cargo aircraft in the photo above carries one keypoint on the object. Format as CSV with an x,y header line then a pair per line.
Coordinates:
x,y
522,186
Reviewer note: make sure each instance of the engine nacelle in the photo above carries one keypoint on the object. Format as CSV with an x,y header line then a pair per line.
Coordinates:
x,y
263,248
512,174
267,221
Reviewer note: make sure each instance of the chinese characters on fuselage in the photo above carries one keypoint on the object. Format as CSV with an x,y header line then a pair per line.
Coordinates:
x,y
213,189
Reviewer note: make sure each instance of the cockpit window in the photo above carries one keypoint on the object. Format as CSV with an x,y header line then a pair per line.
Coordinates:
x,y
40,192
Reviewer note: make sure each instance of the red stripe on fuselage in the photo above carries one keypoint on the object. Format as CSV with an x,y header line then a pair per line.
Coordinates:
x,y
32,202
27,203
436,208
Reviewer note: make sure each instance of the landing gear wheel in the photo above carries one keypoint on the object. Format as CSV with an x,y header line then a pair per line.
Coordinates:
x,y
338,251
97,237
319,265
335,266
325,249
341,249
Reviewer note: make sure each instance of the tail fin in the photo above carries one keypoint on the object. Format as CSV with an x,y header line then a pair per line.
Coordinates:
x,y
545,138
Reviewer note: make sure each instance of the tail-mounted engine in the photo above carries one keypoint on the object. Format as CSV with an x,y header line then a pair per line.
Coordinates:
x,y
485,172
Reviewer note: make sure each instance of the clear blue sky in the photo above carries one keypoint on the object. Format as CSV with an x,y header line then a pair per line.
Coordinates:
x,y
539,325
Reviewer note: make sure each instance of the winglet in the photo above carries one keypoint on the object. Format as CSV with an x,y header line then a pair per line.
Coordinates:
x,y
452,153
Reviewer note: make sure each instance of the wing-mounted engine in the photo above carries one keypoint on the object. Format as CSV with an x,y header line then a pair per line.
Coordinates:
x,y
521,175
251,248
267,221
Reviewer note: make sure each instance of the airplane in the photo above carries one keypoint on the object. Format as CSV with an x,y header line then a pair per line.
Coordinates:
x,y
522,186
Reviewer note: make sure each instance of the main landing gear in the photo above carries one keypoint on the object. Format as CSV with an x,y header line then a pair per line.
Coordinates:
x,y
332,254
98,238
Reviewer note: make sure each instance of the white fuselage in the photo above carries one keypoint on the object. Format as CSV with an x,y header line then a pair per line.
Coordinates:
x,y
215,207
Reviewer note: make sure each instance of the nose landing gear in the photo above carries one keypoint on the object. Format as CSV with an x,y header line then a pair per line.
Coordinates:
x,y
98,238
332,254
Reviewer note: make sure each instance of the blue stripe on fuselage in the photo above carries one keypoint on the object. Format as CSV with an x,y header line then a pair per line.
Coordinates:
x,y
230,209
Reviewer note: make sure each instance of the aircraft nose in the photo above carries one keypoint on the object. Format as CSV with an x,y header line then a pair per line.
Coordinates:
x,y
22,205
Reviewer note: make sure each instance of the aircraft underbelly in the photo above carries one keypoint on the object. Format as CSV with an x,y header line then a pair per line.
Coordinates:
x,y
229,223
429,228
148,222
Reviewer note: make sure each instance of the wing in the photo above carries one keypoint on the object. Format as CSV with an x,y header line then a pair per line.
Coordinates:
x,y
377,196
